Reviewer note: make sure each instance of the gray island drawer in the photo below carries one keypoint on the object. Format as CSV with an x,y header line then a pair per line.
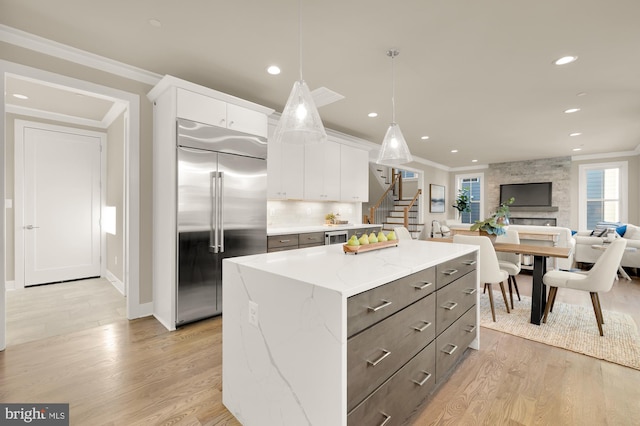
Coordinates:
x,y
453,269
399,396
454,300
369,307
379,351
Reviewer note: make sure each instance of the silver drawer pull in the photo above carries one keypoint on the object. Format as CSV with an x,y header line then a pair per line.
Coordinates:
x,y
470,291
423,328
423,381
470,329
453,349
449,306
385,353
469,262
386,418
377,308
450,272
424,285
285,241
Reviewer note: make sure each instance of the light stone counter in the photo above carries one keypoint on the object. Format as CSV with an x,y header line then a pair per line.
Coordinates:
x,y
283,230
285,326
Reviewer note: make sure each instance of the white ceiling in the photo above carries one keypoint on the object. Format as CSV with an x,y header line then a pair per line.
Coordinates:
x,y
476,76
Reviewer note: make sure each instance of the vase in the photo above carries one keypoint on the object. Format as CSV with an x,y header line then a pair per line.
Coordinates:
x,y
503,220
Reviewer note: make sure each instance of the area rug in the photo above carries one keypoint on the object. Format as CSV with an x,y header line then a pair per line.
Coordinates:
x,y
570,327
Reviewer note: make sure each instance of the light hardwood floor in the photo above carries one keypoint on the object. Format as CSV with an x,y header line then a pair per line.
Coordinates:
x,y
37,312
137,373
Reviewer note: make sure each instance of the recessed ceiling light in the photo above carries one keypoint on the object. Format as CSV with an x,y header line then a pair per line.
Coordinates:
x,y
575,134
577,149
372,114
565,60
19,96
273,70
155,23
454,151
424,138
474,161
571,110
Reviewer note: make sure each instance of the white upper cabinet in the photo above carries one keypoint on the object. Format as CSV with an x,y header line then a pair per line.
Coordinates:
x,y
285,171
322,171
200,108
204,109
246,120
354,175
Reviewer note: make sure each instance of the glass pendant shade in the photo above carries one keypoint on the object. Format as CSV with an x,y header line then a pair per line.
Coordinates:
x,y
300,122
394,148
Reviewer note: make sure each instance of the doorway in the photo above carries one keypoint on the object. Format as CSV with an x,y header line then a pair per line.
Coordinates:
x,y
130,219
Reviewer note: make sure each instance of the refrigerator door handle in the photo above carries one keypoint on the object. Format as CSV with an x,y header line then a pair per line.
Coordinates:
x,y
213,231
221,214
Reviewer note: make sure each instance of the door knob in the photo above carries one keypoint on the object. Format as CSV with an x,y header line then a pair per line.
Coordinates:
x,y
31,227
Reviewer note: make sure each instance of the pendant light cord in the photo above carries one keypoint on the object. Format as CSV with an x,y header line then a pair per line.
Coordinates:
x,y
300,35
393,87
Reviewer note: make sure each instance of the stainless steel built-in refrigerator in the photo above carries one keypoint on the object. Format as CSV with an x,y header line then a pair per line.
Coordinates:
x,y
222,204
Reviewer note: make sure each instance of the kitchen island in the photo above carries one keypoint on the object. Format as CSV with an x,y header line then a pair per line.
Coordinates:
x,y
316,336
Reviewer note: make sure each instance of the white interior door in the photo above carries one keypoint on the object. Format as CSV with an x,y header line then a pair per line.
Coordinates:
x,y
62,202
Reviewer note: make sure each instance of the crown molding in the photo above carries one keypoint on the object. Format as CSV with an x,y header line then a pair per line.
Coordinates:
x,y
48,115
605,155
49,47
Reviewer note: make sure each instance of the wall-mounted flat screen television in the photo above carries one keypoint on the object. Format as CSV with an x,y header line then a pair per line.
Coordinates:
x,y
527,194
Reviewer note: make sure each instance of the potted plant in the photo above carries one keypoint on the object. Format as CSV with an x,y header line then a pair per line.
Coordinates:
x,y
463,202
494,225
329,218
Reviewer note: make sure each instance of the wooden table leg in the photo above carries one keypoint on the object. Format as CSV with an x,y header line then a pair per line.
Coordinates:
x,y
538,290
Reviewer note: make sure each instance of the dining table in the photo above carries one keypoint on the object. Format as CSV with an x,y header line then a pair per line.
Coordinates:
x,y
540,255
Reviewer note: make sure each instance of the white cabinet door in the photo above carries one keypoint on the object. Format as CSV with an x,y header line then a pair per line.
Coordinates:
x,y
285,171
322,172
200,108
354,173
246,120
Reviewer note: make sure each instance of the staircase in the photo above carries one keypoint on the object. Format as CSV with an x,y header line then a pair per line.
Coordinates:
x,y
396,218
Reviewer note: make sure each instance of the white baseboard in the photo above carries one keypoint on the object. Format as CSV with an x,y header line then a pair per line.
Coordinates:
x,y
10,285
143,310
170,327
119,285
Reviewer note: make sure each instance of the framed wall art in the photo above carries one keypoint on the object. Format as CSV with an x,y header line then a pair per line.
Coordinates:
x,y
436,196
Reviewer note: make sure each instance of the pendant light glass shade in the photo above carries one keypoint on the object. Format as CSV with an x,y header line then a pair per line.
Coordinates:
x,y
300,122
394,149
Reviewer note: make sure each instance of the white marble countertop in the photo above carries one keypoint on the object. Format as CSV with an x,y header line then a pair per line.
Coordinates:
x,y
315,228
329,267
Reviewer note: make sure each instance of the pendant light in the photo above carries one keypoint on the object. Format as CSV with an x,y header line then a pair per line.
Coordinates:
x,y
394,148
300,122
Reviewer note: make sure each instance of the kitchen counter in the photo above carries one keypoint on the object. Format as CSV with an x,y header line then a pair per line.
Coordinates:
x,y
283,230
285,326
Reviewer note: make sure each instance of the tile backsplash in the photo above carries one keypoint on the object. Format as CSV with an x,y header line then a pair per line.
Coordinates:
x,y
309,213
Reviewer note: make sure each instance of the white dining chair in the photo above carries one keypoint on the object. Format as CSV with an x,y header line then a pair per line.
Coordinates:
x,y
402,233
510,262
490,272
598,279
